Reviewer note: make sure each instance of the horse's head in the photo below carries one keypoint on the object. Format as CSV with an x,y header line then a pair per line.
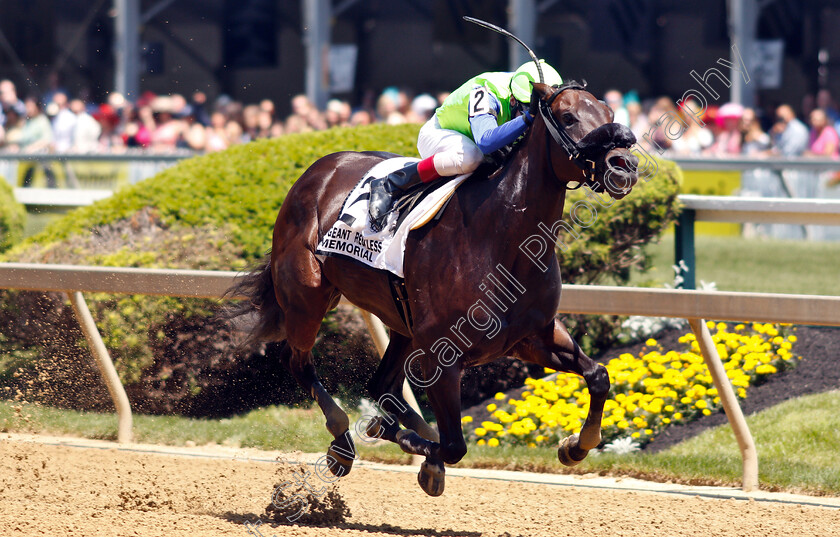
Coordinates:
x,y
588,146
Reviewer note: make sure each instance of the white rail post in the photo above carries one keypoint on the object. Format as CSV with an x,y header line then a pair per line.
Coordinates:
x,y
380,339
749,456
106,366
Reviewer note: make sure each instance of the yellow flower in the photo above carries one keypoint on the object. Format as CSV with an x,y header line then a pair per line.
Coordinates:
x,y
466,419
480,432
481,442
500,396
650,342
493,442
707,412
701,403
792,339
491,407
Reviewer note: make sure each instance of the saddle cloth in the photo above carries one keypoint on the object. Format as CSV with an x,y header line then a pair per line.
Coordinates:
x,y
351,236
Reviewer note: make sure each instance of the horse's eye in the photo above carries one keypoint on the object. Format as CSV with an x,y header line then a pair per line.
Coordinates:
x,y
569,118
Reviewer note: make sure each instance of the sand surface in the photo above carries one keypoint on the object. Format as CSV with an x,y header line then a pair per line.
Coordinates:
x,y
59,490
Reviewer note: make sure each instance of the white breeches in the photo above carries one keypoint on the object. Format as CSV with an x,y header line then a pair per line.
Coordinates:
x,y
454,153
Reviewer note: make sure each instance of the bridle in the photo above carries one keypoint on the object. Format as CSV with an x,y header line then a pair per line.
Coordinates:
x,y
558,133
582,152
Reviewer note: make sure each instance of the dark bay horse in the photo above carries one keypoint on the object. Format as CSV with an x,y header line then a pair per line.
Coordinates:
x,y
473,294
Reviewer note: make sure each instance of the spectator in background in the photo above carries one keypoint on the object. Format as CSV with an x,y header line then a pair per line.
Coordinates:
x,y
9,97
267,127
139,124
361,117
63,122
337,114
823,139
37,132
36,136
165,129
827,103
657,117
615,100
13,128
181,109
304,117
110,141
267,105
199,108
728,138
234,132
755,141
696,138
422,108
250,121
790,136
387,107
216,135
87,130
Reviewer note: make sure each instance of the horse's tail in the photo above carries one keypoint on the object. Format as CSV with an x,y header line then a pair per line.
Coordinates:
x,y
258,314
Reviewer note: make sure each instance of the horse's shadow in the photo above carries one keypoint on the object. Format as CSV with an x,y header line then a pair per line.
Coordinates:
x,y
267,527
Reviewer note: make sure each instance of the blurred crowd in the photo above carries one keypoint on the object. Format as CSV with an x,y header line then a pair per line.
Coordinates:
x,y
59,122
692,128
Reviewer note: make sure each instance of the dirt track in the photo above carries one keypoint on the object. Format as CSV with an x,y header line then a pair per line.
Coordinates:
x,y
59,491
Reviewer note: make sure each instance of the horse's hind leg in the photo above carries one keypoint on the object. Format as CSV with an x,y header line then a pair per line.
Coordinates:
x,y
553,347
305,300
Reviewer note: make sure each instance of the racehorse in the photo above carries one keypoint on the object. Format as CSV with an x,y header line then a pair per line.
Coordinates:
x,y
472,295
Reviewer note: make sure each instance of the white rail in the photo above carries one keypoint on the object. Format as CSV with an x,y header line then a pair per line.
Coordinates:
x,y
825,212
692,305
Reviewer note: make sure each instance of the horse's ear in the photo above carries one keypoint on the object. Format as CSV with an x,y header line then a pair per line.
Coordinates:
x,y
541,90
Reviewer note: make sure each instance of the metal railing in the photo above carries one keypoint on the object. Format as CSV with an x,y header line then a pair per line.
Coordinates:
x,y
752,210
695,306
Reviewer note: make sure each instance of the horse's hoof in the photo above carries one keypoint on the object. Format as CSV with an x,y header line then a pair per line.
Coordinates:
x,y
569,453
374,428
431,477
337,455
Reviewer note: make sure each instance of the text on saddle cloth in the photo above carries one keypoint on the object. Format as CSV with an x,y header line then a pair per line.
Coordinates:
x,y
351,236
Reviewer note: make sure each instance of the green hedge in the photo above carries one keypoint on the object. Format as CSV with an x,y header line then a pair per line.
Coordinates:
x,y
216,212
12,216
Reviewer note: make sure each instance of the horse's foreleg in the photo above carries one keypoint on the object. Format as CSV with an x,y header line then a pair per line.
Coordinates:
x,y
553,347
445,398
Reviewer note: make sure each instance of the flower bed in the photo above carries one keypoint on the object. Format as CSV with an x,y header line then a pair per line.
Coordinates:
x,y
649,391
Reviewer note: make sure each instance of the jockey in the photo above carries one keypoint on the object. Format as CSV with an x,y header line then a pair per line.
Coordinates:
x,y
484,114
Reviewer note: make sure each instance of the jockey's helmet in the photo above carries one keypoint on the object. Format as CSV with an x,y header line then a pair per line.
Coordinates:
x,y
520,82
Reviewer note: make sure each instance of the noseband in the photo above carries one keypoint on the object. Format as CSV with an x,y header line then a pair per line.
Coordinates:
x,y
584,152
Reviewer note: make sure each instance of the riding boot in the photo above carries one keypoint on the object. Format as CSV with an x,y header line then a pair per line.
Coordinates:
x,y
383,190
